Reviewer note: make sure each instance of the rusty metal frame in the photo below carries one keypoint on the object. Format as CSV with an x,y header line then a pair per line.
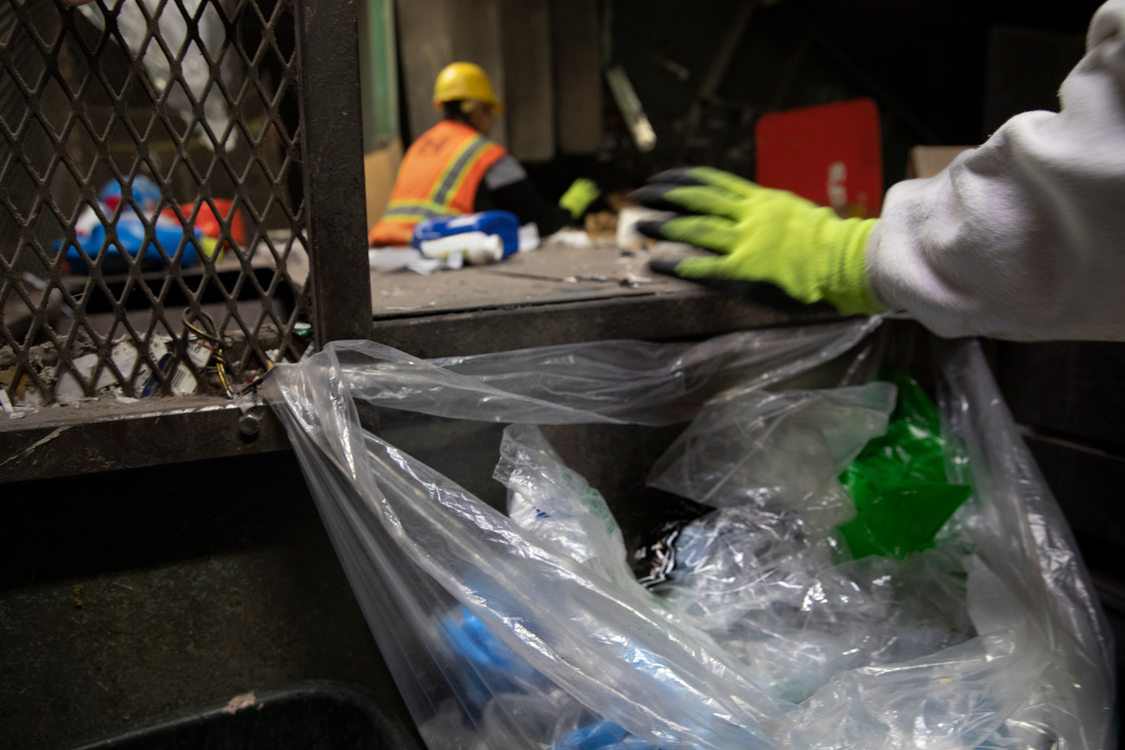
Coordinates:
x,y
324,75
334,189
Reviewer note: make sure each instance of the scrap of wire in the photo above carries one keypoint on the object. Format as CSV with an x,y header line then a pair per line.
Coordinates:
x,y
210,333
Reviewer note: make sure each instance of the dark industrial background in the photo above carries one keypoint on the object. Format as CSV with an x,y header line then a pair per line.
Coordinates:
x,y
157,585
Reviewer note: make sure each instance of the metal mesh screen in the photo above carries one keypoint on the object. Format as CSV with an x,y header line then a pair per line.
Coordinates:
x,y
152,231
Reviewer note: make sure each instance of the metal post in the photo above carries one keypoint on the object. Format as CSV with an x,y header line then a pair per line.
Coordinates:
x,y
332,136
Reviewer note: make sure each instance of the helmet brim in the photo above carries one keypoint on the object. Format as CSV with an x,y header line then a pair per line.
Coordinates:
x,y
496,105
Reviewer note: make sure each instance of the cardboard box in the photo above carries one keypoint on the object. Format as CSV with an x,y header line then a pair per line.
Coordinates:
x,y
926,161
379,171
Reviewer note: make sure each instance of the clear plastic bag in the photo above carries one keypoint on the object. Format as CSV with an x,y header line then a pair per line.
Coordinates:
x,y
777,450
526,630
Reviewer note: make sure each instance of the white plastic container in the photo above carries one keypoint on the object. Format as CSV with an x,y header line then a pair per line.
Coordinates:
x,y
477,248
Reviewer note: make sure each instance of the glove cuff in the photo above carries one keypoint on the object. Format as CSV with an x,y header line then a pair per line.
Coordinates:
x,y
848,287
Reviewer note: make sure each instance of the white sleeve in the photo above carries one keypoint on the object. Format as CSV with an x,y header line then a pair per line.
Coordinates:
x,y
1024,237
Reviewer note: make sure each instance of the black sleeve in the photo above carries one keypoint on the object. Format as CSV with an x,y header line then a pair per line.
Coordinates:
x,y
524,200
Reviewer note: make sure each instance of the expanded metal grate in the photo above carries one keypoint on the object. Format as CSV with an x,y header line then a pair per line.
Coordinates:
x,y
152,221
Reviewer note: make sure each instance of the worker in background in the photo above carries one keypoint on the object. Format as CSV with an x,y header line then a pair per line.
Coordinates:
x,y
1022,238
453,168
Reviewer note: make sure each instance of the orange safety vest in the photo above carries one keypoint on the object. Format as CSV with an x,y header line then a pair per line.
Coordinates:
x,y
439,176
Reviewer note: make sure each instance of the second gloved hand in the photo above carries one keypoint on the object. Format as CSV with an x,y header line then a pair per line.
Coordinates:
x,y
762,234
579,196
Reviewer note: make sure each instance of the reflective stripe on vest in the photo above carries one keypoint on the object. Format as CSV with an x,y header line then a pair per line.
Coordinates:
x,y
415,210
454,175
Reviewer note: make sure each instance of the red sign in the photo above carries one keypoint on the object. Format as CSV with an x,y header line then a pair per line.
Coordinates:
x,y
831,154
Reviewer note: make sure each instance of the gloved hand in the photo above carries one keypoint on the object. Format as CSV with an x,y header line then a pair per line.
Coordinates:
x,y
579,196
762,235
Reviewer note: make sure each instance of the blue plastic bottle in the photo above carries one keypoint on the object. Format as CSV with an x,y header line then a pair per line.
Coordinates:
x,y
502,223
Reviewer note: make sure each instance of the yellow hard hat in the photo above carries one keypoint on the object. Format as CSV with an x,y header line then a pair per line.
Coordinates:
x,y
464,80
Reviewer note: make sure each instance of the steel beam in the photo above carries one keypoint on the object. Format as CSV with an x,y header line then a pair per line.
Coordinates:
x,y
332,136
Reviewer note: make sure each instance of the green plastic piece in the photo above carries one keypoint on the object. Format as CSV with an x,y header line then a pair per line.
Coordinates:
x,y
898,482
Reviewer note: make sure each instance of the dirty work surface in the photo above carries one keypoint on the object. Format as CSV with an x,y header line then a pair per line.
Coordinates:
x,y
549,274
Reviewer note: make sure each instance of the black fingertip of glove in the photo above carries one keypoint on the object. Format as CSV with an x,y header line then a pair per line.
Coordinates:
x,y
666,267
759,292
730,287
652,196
652,228
677,177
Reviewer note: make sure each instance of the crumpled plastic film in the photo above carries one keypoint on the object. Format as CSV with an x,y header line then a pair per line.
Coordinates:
x,y
518,630
781,450
774,595
606,381
1020,532
541,500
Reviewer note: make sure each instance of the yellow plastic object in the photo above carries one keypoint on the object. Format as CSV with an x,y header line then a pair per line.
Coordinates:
x,y
465,80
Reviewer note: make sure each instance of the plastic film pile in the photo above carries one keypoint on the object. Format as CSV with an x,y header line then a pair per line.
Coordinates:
x,y
864,580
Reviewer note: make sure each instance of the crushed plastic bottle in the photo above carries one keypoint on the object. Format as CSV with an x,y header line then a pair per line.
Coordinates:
x,y
503,224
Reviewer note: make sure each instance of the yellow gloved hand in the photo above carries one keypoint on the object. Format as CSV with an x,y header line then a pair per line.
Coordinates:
x,y
210,248
761,234
579,196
